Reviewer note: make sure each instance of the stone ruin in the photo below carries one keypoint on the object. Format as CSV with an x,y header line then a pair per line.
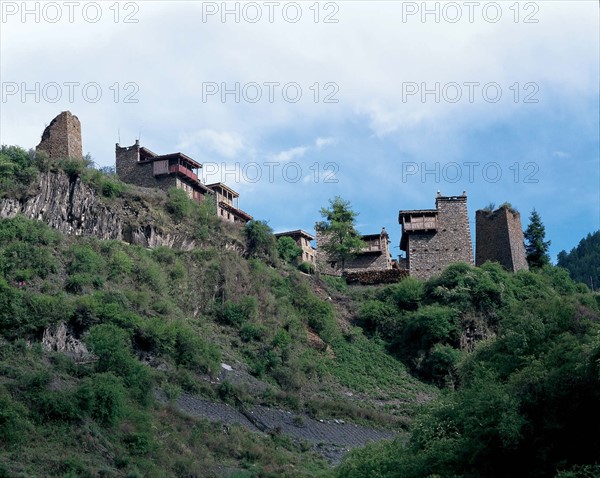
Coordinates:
x,y
500,238
62,137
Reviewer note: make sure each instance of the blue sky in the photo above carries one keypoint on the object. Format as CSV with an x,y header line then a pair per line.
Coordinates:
x,y
378,137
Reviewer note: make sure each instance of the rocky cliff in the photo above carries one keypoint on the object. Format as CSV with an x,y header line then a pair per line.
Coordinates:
x,y
69,205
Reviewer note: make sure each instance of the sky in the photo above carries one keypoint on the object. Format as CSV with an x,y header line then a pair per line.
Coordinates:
x,y
294,103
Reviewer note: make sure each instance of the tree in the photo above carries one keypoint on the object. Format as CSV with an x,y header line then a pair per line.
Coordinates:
x,y
261,241
535,246
342,240
287,249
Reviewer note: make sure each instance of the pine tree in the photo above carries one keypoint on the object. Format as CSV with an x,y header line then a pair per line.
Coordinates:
x,y
342,240
535,246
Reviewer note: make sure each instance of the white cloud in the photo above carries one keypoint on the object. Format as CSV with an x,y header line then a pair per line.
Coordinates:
x,y
224,143
322,142
290,154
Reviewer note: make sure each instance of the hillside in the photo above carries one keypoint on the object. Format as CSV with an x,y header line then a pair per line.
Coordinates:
x,y
583,261
104,343
122,357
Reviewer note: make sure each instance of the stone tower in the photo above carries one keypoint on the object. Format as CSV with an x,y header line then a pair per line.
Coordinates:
x,y
62,138
436,238
499,238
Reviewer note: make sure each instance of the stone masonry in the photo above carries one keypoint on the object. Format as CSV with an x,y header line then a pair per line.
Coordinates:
x,y
499,238
374,256
435,238
62,138
132,168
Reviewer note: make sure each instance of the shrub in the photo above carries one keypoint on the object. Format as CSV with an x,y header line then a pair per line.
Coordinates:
x,y
102,396
85,259
17,170
194,352
287,249
112,346
408,294
319,315
74,167
306,267
119,264
261,241
379,317
12,421
24,260
179,204
251,332
237,313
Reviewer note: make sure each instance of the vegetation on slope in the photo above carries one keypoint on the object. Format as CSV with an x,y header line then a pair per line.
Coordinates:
x,y
523,403
583,261
512,358
165,319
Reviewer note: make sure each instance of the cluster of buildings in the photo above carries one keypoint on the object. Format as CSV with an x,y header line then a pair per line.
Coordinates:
x,y
431,238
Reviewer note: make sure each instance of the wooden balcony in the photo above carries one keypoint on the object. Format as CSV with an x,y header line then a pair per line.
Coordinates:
x,y
420,223
183,171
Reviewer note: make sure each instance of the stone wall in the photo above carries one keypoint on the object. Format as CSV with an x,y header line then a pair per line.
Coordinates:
x,y
499,238
62,138
388,276
366,261
429,253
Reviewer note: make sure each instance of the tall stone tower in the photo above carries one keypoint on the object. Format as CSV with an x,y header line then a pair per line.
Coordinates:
x,y
62,138
436,238
499,238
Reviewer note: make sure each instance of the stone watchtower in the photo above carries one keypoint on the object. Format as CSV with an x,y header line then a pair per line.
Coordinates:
x,y
62,138
500,238
436,238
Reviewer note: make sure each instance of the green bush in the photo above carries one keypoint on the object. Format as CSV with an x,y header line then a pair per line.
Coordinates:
x,y
408,294
319,315
306,267
380,317
287,249
261,241
74,167
85,260
238,313
250,332
195,353
120,264
112,345
103,397
179,204
17,171
13,424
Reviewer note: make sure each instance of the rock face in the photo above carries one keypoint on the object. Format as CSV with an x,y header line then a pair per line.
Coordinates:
x,y
57,339
72,207
67,205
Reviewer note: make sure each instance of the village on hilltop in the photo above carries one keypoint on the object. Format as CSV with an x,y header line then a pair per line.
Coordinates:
x,y
431,238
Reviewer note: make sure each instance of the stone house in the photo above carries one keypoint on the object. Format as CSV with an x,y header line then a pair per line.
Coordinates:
x,y
138,165
303,240
375,256
435,238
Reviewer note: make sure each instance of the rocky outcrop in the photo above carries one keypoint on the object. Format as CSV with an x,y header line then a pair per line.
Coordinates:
x,y
72,207
68,205
58,339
